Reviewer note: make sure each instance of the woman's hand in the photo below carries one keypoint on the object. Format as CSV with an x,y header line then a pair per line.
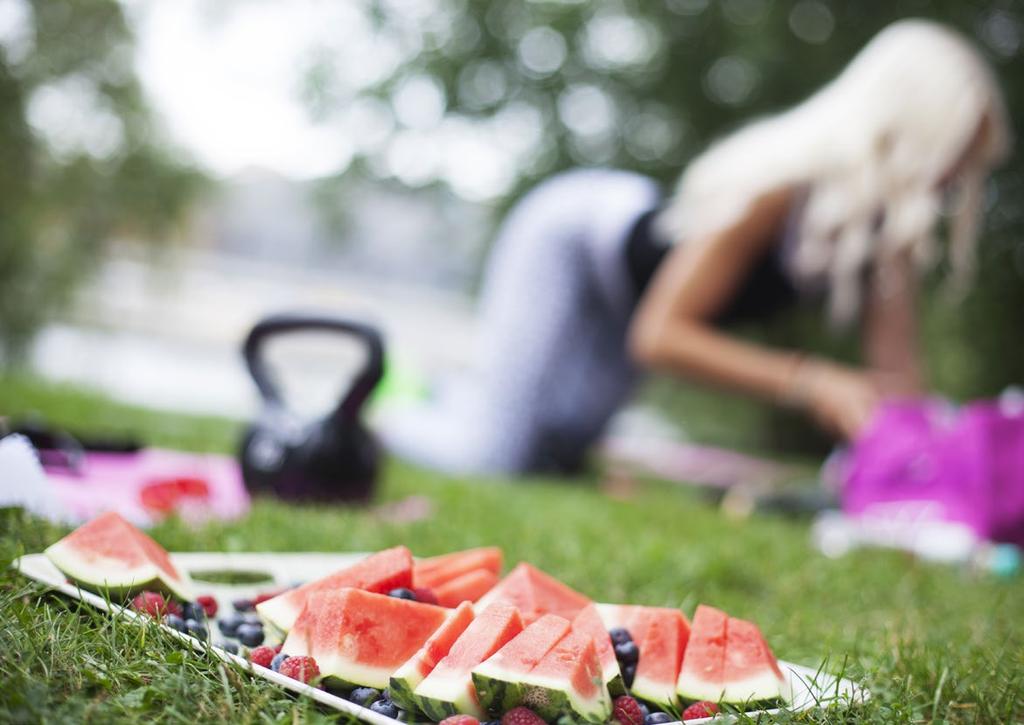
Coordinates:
x,y
841,399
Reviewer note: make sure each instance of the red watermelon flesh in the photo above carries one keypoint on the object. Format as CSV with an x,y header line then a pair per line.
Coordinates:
x,y
408,677
702,675
449,688
568,681
437,570
664,635
468,587
535,594
751,671
110,554
588,622
361,638
380,572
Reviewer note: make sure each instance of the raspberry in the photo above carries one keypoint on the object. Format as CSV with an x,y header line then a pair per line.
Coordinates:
x,y
154,604
460,720
425,595
627,711
521,716
704,708
278,648
302,669
209,605
262,656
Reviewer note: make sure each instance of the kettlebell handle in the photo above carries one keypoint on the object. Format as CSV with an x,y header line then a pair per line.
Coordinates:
x,y
363,383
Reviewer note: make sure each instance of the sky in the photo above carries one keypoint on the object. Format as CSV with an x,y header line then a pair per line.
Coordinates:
x,y
225,78
226,86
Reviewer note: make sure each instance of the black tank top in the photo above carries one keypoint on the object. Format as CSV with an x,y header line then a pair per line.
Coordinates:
x,y
765,291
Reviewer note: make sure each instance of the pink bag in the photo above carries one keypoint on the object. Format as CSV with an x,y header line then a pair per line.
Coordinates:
x,y
925,460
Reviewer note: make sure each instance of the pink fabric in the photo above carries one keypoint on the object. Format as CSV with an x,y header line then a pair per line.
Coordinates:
x,y
147,485
964,465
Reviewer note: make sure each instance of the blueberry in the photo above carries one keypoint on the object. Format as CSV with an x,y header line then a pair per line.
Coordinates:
x,y
385,708
251,635
643,709
275,664
191,610
230,647
175,622
491,722
628,674
620,635
229,625
243,605
196,629
403,593
364,696
657,718
627,653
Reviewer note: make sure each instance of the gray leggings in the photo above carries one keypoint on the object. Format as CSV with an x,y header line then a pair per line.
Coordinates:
x,y
552,362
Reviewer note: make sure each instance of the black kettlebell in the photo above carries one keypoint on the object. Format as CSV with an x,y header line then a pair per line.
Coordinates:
x,y
332,459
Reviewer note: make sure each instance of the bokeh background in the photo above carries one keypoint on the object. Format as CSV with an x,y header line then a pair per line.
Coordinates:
x,y
171,171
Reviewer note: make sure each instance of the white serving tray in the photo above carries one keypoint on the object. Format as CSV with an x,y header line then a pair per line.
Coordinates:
x,y
810,687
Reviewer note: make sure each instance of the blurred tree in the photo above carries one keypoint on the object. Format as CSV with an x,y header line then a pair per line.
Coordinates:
x,y
78,159
646,86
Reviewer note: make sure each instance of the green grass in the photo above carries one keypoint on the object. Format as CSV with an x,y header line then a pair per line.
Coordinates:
x,y
933,644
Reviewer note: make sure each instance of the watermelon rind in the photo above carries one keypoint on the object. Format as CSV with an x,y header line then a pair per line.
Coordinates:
x,y
279,613
553,700
616,686
692,688
400,690
657,693
438,697
765,687
497,690
110,577
407,678
751,693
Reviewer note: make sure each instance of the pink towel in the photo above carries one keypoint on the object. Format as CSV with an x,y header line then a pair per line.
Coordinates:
x,y
147,485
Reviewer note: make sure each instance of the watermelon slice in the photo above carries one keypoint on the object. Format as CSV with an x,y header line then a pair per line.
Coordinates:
x,y
438,570
535,594
568,683
408,677
751,673
467,587
661,654
588,622
380,573
108,554
449,688
498,678
359,638
728,660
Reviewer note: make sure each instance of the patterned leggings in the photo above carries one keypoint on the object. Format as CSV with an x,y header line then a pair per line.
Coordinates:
x,y
552,361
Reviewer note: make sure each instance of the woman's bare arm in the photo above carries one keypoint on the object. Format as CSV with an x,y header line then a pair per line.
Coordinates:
x,y
890,327
671,329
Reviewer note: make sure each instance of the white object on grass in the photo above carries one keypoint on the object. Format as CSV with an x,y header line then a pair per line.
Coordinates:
x,y
24,483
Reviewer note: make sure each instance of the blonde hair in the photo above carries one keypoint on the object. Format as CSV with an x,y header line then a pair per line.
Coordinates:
x,y
870,150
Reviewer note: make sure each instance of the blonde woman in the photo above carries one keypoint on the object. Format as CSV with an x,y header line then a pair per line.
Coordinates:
x,y
835,202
